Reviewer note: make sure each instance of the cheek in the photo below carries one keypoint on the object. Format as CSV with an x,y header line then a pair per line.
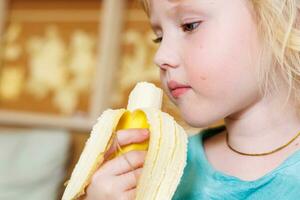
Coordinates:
x,y
220,69
208,73
218,60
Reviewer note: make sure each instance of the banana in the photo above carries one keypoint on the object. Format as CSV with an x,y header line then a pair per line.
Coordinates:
x,y
166,148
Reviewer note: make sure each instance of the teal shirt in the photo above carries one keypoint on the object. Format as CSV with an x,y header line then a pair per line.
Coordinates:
x,y
200,181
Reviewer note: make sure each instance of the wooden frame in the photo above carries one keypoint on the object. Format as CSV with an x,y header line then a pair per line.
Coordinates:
x,y
3,8
108,57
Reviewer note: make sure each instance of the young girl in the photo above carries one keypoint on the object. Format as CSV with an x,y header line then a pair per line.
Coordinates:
x,y
236,60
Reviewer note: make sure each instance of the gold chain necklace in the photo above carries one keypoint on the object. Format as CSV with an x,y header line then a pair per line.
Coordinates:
x,y
261,154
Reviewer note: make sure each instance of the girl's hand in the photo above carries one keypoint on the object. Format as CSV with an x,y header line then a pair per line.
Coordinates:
x,y
117,179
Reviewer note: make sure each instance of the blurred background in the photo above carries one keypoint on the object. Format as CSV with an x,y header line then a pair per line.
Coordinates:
x,y
62,63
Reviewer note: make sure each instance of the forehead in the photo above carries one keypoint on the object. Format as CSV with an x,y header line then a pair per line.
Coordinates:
x,y
170,8
170,3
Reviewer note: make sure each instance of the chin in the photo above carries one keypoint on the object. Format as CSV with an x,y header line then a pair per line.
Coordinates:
x,y
198,121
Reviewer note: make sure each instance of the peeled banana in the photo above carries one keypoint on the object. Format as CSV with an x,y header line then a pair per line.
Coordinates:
x,y
166,148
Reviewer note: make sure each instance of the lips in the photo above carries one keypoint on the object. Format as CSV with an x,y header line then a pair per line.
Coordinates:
x,y
177,89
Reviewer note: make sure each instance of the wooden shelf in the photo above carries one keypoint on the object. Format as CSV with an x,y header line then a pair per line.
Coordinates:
x,y
109,34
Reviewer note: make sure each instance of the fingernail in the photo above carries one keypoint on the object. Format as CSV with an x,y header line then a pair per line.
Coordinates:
x,y
146,132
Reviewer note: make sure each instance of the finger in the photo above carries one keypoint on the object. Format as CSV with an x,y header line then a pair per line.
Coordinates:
x,y
126,137
130,179
124,163
130,194
130,136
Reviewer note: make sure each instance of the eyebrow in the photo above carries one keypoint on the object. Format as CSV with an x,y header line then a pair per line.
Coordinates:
x,y
154,26
184,7
180,7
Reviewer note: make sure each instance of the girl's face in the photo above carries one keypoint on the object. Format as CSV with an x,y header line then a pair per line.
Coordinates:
x,y
213,47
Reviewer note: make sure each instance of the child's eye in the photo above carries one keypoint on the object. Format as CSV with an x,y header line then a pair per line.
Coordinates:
x,y
190,26
157,40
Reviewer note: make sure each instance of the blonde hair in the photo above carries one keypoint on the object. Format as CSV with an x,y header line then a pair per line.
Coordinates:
x,y
277,26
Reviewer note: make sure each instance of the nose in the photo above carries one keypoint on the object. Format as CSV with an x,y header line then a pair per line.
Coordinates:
x,y
167,56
